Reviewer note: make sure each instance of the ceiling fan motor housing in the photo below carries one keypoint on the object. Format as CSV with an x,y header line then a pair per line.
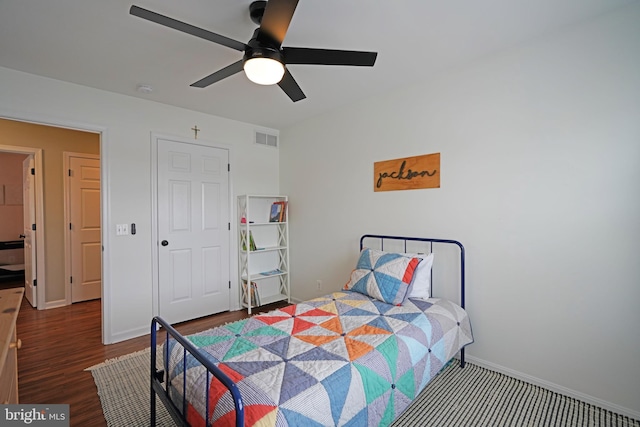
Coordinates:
x,y
258,49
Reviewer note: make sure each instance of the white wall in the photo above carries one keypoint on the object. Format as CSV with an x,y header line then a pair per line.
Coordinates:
x,y
540,181
127,123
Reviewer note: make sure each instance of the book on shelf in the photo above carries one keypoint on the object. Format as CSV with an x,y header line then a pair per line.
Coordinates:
x,y
276,212
252,243
254,288
283,211
251,294
271,272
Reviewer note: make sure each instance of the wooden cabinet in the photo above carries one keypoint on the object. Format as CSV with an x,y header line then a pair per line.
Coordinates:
x,y
263,250
10,300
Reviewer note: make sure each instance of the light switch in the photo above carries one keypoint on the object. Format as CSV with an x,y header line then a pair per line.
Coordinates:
x,y
122,229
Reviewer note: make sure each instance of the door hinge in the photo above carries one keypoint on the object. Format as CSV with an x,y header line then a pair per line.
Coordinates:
x,y
70,226
35,282
33,171
229,284
33,227
228,167
69,172
71,279
229,226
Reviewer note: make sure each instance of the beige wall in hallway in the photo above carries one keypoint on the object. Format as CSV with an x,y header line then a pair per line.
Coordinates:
x,y
53,141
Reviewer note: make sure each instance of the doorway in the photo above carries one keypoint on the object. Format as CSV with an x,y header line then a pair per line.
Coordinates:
x,y
12,259
83,243
21,210
46,144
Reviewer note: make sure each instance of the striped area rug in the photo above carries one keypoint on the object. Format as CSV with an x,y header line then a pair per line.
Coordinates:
x,y
474,396
469,397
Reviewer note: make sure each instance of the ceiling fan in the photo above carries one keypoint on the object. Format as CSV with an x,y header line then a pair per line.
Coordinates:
x,y
265,60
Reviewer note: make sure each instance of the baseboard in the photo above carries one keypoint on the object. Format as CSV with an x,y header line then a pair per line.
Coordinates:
x,y
555,387
55,304
128,334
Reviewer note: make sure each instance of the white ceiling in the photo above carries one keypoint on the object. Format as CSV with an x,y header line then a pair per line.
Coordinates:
x,y
97,43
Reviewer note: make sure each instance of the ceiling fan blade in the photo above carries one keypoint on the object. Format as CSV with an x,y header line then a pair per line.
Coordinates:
x,y
186,28
289,85
219,75
276,19
302,55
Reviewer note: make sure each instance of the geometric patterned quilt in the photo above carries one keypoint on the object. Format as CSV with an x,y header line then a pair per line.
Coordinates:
x,y
342,359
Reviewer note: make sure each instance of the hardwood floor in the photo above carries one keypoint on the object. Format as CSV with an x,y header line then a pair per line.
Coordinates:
x,y
58,344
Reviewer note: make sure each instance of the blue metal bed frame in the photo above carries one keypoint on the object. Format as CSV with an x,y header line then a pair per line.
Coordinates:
x,y
158,377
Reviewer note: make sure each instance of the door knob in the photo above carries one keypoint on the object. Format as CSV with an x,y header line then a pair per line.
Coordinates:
x,y
164,243
22,236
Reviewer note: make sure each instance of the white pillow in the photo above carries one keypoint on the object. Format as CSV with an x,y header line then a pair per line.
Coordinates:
x,y
422,277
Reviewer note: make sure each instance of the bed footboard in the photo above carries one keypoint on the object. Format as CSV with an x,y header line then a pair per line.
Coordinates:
x,y
158,377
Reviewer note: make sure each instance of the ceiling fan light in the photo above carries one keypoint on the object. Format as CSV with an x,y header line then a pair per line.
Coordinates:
x,y
264,71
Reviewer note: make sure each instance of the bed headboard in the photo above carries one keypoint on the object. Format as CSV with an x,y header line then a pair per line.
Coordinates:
x,y
401,243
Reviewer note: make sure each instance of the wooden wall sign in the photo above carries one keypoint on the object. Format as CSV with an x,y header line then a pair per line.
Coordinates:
x,y
409,173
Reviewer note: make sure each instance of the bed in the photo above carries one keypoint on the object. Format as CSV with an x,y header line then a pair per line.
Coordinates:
x,y
354,357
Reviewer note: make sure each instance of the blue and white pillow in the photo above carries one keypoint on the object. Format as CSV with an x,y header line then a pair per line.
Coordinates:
x,y
384,276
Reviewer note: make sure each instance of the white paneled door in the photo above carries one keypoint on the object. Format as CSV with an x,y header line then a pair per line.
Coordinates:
x,y
84,227
29,234
193,230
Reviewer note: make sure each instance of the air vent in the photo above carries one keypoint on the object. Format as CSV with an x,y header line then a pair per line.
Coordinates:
x,y
266,139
